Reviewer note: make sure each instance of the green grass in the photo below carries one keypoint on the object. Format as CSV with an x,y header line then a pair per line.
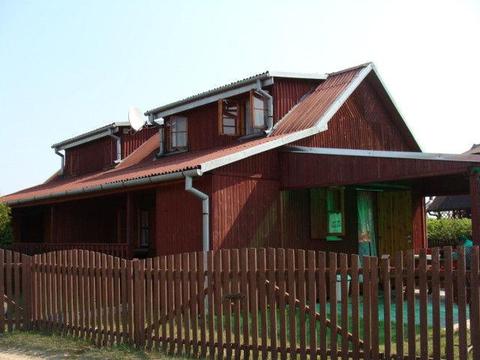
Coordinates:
x,y
54,346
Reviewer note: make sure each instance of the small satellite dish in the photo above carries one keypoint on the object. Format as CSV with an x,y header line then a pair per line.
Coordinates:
x,y
136,119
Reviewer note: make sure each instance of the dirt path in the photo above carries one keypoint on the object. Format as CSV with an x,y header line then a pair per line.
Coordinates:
x,y
14,355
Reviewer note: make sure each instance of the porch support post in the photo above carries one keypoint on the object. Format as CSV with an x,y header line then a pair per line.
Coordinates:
x,y
129,223
475,201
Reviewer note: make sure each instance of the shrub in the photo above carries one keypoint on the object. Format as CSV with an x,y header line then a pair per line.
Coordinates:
x,y
5,228
445,232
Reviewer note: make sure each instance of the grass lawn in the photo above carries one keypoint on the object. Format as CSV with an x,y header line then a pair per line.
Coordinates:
x,y
51,346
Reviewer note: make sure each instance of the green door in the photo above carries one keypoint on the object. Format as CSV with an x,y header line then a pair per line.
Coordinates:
x,y
367,244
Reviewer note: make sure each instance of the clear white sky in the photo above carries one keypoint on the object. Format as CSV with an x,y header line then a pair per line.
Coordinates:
x,y
70,66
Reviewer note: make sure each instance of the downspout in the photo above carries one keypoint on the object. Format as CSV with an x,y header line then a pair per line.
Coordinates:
x,y
205,210
161,148
62,165
118,145
269,98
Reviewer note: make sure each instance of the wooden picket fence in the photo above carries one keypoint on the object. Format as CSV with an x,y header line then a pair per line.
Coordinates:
x,y
244,303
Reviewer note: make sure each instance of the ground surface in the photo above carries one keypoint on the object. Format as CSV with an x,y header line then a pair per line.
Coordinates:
x,y
35,346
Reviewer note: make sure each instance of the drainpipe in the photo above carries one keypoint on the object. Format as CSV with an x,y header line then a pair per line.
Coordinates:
x,y
269,98
118,145
62,166
205,210
161,148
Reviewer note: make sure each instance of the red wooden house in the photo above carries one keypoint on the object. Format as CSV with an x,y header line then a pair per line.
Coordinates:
x,y
285,160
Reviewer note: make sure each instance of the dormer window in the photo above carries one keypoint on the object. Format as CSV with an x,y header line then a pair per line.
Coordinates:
x,y
242,115
230,117
178,133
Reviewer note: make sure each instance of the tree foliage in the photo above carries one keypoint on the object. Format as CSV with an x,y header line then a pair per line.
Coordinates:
x,y
5,224
444,232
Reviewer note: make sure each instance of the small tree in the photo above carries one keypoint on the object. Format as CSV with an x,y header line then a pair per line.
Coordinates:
x,y
5,225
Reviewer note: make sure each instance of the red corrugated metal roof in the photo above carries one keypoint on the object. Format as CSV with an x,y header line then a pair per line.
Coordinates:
x,y
307,113
140,164
299,123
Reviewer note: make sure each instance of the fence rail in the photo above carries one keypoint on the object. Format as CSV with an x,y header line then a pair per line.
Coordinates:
x,y
266,303
121,250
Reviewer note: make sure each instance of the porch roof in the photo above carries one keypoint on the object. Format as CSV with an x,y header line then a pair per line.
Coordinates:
x,y
315,167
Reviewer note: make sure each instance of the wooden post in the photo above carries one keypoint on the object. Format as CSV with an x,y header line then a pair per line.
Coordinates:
x,y
129,224
475,201
139,303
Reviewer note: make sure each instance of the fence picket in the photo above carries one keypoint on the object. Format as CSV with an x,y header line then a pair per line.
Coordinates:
x,y
322,300
344,302
261,258
149,303
227,304
410,264
164,302
366,293
475,301
312,302
211,315
235,266
194,297
2,289
355,289
436,303
271,269
291,302
217,261
423,306
374,307
448,283
185,303
202,305
301,305
462,304
9,286
252,279
332,279
385,278
399,304
282,289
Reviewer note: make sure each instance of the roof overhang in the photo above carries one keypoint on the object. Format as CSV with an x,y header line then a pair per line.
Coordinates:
x,y
435,174
96,134
383,154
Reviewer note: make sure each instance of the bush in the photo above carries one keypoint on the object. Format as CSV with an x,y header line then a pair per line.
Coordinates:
x,y
445,232
5,226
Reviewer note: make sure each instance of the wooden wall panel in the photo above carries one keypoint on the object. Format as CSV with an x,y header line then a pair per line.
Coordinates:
x,y
295,218
132,140
308,170
362,122
245,212
394,221
179,217
93,156
263,166
287,93
419,231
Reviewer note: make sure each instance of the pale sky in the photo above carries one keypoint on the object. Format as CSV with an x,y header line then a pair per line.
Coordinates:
x,y
67,67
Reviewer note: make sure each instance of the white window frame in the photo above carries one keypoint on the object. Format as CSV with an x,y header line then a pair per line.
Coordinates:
x,y
176,142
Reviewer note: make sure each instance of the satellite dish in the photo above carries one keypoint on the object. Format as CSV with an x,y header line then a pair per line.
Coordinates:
x,y
136,119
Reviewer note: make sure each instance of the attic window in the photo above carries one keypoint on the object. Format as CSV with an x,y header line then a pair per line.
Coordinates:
x,y
230,117
178,133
